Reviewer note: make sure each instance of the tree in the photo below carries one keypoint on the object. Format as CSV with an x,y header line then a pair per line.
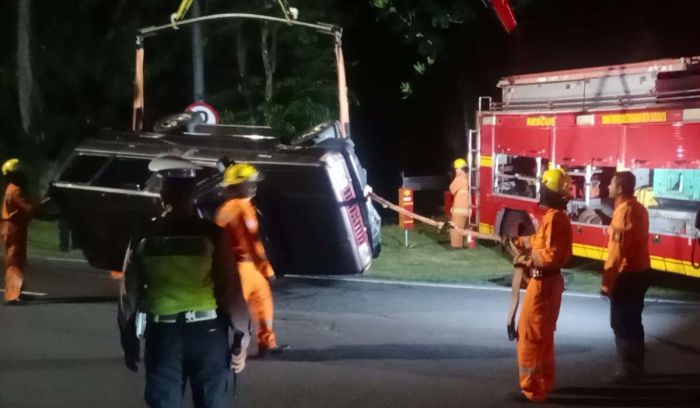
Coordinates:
x,y
26,86
422,26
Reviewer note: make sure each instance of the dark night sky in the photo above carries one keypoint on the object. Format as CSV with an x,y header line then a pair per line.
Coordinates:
x,y
424,134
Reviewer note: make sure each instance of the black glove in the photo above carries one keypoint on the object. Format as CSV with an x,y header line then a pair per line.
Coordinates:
x,y
131,362
512,332
131,346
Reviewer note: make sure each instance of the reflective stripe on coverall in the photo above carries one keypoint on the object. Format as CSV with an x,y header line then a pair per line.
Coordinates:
x,y
460,208
17,210
239,219
551,249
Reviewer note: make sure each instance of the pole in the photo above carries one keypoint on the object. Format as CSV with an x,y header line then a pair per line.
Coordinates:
x,y
197,55
405,238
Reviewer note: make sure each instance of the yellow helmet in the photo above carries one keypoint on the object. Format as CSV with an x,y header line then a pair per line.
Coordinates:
x,y
459,163
557,180
240,173
10,166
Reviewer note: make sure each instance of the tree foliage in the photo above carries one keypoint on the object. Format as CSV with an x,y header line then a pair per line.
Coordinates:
x,y
82,55
422,27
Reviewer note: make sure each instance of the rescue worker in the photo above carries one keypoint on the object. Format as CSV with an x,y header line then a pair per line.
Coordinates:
x,y
460,202
541,257
180,273
16,214
238,217
626,274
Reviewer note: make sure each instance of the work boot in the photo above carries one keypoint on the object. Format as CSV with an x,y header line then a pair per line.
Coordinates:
x,y
264,351
14,302
518,396
631,368
629,375
629,372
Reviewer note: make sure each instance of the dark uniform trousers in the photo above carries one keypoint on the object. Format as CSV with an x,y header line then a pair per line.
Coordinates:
x,y
626,306
176,352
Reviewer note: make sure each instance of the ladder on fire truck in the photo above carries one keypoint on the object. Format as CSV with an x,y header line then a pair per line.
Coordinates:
x,y
474,164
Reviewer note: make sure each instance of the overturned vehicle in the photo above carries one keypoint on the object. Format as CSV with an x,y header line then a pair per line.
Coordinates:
x,y
313,207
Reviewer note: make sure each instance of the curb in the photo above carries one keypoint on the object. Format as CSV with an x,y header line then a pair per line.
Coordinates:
x,y
460,286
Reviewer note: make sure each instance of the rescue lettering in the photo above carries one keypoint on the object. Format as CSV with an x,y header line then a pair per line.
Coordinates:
x,y
636,117
541,121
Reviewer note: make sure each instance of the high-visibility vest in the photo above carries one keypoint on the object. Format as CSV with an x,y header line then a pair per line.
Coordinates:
x,y
177,274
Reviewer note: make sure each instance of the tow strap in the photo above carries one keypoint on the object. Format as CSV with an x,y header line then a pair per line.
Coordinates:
x,y
438,224
518,272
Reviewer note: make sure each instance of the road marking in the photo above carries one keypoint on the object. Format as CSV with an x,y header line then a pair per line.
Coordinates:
x,y
465,286
27,292
64,260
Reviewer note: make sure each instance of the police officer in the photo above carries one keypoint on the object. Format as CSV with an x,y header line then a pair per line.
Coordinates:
x,y
180,272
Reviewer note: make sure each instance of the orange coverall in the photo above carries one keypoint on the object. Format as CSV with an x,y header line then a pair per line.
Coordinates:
x,y
628,242
551,249
626,278
238,217
460,211
17,210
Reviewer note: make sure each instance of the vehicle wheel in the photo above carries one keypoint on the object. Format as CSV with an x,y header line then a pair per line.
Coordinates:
x,y
178,122
590,216
514,224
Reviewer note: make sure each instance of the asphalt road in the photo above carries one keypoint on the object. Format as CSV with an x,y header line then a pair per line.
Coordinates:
x,y
354,344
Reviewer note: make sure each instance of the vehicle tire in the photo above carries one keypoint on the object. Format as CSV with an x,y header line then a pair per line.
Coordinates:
x,y
514,224
179,122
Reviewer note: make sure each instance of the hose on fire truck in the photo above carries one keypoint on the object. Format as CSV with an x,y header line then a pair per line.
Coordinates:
x,y
441,226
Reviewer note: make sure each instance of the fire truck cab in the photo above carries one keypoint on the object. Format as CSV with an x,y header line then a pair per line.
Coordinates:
x,y
642,117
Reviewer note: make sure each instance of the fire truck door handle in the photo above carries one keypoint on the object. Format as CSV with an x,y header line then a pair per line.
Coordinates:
x,y
566,159
640,162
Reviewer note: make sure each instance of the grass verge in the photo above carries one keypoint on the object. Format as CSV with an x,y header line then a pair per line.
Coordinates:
x,y
429,258
43,240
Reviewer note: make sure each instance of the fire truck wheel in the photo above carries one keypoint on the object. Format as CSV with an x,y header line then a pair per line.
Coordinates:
x,y
590,217
515,224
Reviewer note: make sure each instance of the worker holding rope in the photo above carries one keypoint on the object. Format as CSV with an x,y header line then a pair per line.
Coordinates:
x,y
540,259
460,204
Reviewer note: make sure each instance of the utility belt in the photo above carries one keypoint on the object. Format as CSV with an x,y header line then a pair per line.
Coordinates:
x,y
542,273
189,316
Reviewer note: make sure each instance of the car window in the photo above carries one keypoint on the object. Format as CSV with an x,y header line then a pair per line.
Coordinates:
x,y
83,168
130,174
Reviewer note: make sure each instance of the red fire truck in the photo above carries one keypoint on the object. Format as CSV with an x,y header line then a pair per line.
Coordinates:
x,y
643,117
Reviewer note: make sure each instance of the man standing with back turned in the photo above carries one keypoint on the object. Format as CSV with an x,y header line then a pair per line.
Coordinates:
x,y
238,217
459,187
626,274
181,273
